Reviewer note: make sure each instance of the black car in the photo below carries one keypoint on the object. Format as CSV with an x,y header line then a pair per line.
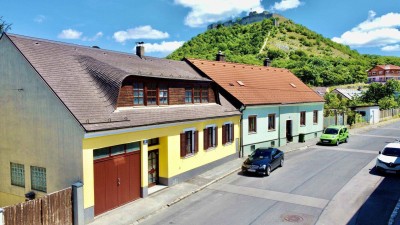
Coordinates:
x,y
263,161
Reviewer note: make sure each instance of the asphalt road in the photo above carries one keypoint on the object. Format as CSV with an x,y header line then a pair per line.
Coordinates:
x,y
310,189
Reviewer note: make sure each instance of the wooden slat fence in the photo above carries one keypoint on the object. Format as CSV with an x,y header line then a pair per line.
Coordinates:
x,y
55,208
389,113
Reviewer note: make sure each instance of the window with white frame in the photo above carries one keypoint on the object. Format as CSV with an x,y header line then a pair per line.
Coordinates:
x,y
38,178
271,122
17,174
210,136
189,142
303,118
315,116
227,133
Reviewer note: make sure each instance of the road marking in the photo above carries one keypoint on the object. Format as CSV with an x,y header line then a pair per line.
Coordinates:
x,y
379,136
272,195
346,150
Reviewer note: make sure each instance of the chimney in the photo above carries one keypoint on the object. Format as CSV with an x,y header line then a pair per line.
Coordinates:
x,y
267,62
140,49
220,56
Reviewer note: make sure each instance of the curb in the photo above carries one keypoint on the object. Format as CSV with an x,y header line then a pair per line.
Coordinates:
x,y
394,213
185,196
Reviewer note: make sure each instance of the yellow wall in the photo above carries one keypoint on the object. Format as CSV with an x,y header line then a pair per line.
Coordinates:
x,y
170,162
10,199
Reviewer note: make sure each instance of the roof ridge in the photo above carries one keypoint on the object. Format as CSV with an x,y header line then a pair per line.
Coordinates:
x,y
241,64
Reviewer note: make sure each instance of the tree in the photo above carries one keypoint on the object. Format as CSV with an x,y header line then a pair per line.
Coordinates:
x,y
4,27
387,102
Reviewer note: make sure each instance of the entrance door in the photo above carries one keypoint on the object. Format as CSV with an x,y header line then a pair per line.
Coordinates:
x,y
153,167
116,181
289,136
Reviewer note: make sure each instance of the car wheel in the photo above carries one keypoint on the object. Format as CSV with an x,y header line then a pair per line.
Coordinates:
x,y
268,171
345,140
281,163
337,142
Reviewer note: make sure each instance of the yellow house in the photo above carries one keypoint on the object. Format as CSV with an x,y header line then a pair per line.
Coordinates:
x,y
120,123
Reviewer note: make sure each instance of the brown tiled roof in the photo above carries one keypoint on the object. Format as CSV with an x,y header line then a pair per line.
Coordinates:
x,y
87,81
388,67
261,85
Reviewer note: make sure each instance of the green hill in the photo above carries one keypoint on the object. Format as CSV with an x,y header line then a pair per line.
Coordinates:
x,y
315,59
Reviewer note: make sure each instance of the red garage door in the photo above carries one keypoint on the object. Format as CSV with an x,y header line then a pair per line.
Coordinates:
x,y
116,178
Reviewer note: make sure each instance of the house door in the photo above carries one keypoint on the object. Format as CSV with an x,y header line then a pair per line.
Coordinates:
x,y
116,181
153,167
289,136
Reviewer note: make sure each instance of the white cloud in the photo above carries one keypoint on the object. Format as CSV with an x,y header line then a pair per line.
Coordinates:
x,y
94,38
391,48
205,12
142,32
70,34
40,18
284,5
373,32
164,47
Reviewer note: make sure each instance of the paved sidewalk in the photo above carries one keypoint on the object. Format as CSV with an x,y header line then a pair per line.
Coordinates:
x,y
137,211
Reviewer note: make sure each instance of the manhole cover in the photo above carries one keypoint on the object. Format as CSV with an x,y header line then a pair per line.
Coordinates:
x,y
293,218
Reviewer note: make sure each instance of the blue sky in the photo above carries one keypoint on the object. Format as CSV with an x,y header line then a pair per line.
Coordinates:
x,y
368,26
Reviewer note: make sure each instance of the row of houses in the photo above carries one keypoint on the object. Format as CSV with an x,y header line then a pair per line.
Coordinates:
x,y
124,123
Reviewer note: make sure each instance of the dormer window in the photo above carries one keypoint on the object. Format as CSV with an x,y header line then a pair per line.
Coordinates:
x,y
163,94
196,94
138,94
151,94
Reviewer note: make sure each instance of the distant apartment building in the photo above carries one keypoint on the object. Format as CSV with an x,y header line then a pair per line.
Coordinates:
x,y
382,73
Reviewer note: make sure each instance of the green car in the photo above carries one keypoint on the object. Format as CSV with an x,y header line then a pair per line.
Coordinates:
x,y
335,135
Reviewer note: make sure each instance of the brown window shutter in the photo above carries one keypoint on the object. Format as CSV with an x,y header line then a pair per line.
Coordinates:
x,y
232,132
183,145
216,136
205,132
196,141
223,134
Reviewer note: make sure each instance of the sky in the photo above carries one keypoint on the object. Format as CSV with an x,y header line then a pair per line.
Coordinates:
x,y
368,26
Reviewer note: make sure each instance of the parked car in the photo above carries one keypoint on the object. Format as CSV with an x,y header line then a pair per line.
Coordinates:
x,y
388,159
263,160
335,135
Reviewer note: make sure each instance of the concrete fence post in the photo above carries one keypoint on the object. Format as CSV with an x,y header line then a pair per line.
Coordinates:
x,y
1,216
77,199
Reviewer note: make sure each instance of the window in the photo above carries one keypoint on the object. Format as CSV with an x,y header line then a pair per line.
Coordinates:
x,y
137,93
252,124
271,122
188,95
17,174
189,142
373,73
197,95
303,118
154,141
380,72
151,94
227,133
315,116
204,94
163,95
38,178
210,137
115,150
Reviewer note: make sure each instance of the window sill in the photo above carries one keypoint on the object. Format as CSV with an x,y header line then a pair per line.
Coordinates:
x,y
272,130
228,143
252,132
188,156
315,123
302,125
210,149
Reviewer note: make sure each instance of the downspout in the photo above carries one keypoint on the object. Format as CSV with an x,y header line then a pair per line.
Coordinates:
x,y
241,151
279,126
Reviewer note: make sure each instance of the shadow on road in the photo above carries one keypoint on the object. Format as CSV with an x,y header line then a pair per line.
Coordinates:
x,y
378,207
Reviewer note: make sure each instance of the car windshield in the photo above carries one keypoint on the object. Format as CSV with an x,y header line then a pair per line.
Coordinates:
x,y
331,131
261,154
391,152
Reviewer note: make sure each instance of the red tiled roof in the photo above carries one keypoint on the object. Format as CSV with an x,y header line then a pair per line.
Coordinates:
x,y
388,67
262,85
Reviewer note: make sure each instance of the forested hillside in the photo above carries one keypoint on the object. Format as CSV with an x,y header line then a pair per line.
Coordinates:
x,y
318,61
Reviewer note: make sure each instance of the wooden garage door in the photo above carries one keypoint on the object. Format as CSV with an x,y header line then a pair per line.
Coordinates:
x,y
116,180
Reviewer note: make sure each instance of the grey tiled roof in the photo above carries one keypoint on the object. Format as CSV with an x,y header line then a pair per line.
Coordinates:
x,y
87,80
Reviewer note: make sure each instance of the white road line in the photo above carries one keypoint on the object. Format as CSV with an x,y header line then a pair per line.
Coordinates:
x,y
388,128
378,136
272,195
346,149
